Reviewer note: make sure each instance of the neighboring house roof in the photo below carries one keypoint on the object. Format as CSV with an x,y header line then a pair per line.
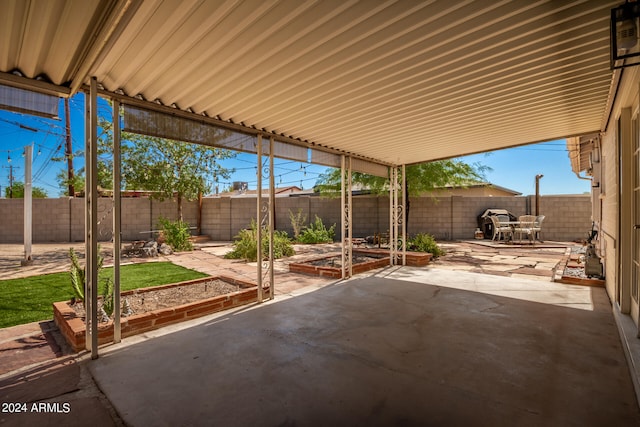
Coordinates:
x,y
488,189
278,191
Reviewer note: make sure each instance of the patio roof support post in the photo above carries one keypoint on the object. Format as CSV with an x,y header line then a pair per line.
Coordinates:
x,y
405,201
117,216
272,220
91,225
28,204
346,209
397,226
392,179
259,217
87,222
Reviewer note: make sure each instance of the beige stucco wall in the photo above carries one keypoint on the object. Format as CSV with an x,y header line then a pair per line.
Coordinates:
x,y
61,220
612,244
608,222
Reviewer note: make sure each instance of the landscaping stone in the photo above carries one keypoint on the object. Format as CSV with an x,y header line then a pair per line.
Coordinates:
x,y
165,249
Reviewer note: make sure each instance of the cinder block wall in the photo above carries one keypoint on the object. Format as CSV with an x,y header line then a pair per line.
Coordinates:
x,y
568,217
12,214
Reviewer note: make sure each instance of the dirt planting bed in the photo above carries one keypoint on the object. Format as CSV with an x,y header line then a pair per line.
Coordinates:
x,y
152,308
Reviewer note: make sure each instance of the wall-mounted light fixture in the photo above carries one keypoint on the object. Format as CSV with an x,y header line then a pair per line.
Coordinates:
x,y
625,49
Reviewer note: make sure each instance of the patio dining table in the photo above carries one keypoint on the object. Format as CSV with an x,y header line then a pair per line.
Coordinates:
x,y
514,225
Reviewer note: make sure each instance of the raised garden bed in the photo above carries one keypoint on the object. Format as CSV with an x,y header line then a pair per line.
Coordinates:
x,y
364,260
331,266
414,259
72,324
570,270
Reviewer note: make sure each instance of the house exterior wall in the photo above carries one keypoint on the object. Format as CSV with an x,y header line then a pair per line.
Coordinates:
x,y
613,188
58,220
607,221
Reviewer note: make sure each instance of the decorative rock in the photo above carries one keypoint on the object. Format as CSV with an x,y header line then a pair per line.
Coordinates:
x,y
103,316
126,308
150,252
165,249
149,249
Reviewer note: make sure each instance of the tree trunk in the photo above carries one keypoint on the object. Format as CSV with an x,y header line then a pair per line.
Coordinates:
x,y
199,229
180,206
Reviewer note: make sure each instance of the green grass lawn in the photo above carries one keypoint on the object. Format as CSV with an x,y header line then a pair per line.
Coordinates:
x,y
30,299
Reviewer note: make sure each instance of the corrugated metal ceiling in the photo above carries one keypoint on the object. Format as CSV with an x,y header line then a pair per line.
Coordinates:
x,y
396,81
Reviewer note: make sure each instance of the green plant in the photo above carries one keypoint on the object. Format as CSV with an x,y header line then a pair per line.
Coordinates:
x,y
297,222
424,242
245,245
316,232
29,299
78,274
107,297
176,234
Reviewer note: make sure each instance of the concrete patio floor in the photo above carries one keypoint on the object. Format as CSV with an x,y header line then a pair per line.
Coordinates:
x,y
397,346
404,346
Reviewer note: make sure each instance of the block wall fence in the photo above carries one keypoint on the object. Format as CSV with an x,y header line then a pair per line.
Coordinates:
x,y
568,217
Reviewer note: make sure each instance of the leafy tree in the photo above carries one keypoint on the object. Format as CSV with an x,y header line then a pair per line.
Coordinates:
x,y
17,191
171,168
105,163
63,181
420,179
164,167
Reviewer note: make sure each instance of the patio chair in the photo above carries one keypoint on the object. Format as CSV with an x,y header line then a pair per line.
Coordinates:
x,y
525,226
500,230
537,228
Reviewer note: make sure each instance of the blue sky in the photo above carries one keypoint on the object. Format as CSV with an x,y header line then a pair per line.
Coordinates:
x,y
513,168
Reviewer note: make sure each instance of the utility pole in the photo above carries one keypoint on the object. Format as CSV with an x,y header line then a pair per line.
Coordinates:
x,y
11,181
10,167
69,148
538,194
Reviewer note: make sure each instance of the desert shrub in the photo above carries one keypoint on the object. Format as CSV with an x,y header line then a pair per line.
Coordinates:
x,y
77,274
107,297
176,234
424,242
316,232
297,222
245,245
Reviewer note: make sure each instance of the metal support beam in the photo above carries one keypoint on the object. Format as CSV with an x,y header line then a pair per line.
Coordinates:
x,y
272,219
28,205
265,220
405,201
91,226
117,216
259,254
346,217
397,224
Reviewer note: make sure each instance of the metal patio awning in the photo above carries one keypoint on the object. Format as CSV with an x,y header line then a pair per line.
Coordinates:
x,y
399,82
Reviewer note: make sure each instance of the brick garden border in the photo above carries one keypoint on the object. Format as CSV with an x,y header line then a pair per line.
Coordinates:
x,y
72,326
414,259
559,276
335,272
